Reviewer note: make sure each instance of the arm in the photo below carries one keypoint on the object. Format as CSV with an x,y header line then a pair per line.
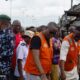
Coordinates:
x,y
37,60
19,61
63,55
38,64
79,64
35,47
63,76
20,56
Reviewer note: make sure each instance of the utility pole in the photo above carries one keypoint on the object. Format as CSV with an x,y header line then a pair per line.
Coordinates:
x,y
10,7
71,3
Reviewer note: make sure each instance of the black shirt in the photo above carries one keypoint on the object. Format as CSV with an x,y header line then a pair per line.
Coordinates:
x,y
35,43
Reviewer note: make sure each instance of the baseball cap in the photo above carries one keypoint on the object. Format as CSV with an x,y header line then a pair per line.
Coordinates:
x,y
29,33
4,17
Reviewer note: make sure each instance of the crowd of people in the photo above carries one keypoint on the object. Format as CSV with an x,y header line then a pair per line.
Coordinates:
x,y
38,53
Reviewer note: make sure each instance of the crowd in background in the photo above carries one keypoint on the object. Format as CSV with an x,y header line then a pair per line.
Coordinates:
x,y
38,53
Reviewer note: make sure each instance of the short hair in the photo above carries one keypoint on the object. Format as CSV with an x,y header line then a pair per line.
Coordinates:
x,y
41,28
16,22
52,24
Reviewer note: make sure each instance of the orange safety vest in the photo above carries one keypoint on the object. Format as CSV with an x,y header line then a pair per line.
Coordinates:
x,y
72,55
45,58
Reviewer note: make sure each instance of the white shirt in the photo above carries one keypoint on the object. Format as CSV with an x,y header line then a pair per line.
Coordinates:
x,y
21,53
64,50
73,74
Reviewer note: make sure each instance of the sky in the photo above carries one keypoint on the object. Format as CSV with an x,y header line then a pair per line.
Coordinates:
x,y
35,12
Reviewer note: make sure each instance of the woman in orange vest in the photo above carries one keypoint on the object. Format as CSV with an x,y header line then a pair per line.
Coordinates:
x,y
38,63
69,56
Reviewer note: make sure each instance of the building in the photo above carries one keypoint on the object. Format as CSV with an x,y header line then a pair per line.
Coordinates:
x,y
70,17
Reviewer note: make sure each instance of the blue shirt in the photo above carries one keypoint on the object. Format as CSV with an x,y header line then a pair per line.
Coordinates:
x,y
56,51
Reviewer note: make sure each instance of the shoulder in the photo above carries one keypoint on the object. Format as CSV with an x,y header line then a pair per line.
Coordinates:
x,y
35,42
35,39
68,39
65,43
21,46
22,43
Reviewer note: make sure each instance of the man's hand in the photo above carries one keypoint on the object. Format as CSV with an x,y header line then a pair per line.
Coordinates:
x,y
63,76
78,70
21,78
43,77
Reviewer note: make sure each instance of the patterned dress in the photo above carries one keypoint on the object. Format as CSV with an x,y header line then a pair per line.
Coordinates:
x,y
6,50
